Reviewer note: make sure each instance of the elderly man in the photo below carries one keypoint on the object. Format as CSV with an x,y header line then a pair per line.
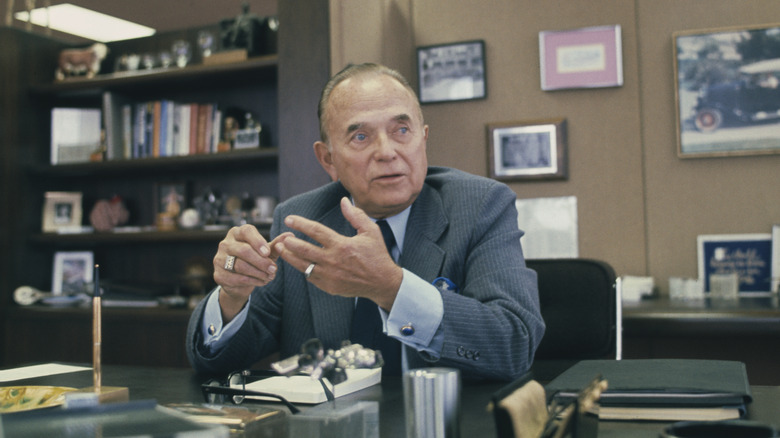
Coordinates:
x,y
430,256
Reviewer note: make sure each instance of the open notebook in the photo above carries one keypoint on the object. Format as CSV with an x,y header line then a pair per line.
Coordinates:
x,y
304,389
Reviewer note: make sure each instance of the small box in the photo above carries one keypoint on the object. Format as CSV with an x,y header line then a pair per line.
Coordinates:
x,y
337,419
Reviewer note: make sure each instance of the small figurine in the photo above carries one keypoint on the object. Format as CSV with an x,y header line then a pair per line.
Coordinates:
x,y
85,61
107,214
314,362
239,33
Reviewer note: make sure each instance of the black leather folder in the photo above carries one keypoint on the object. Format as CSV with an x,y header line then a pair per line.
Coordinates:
x,y
660,389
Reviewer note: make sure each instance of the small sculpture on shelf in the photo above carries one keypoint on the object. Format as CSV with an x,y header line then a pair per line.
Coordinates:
x,y
108,214
256,35
86,61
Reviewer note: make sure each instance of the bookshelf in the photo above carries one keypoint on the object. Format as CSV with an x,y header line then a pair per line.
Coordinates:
x,y
281,90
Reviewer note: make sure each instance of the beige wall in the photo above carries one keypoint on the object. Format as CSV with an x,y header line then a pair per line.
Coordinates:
x,y
640,207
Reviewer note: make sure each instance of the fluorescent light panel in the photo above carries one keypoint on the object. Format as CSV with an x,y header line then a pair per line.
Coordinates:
x,y
86,23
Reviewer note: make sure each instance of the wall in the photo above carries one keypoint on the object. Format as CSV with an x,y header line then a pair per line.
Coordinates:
x,y
640,207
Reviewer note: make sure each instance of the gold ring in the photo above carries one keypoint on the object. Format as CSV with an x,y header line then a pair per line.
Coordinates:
x,y
230,261
307,272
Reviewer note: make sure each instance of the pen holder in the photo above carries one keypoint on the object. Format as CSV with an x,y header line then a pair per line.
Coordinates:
x,y
432,403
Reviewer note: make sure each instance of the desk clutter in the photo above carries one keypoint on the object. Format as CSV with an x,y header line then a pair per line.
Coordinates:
x,y
707,392
568,406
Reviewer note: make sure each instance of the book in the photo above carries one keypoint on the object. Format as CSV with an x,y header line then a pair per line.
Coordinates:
x,y
248,421
116,122
660,389
304,389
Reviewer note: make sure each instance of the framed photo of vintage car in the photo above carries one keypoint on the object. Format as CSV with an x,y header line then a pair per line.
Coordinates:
x,y
530,150
61,211
727,86
452,72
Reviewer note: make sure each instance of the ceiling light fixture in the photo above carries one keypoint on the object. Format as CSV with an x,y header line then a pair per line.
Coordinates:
x,y
85,23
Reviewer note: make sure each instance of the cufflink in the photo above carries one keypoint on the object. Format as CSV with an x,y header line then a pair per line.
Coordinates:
x,y
212,329
407,329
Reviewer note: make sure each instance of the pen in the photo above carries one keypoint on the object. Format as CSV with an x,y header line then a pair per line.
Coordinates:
x,y
96,333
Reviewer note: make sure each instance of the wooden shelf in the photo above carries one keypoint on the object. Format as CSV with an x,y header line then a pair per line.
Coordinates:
x,y
253,70
257,158
140,237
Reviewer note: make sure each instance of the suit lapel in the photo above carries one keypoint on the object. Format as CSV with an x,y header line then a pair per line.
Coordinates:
x,y
422,255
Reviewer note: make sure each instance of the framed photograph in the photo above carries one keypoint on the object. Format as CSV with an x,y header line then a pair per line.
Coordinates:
x,y
532,150
590,57
171,198
727,87
747,255
452,72
72,272
61,210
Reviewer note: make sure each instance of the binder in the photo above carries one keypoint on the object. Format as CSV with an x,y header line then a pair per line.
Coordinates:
x,y
660,389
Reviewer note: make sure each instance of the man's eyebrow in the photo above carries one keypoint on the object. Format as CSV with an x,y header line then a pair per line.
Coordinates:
x,y
399,118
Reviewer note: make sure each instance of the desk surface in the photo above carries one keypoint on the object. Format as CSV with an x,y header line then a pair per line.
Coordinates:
x,y
745,316
173,385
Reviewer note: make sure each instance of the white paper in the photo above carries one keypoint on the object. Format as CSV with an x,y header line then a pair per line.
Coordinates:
x,y
776,258
32,371
304,389
550,226
73,127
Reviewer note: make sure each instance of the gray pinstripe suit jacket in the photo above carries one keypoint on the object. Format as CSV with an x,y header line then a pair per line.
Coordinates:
x,y
461,227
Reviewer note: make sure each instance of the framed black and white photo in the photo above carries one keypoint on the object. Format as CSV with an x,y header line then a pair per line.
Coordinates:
x,y
727,87
72,272
452,72
532,150
61,210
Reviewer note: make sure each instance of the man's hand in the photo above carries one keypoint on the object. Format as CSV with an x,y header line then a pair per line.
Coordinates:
x,y
254,265
358,266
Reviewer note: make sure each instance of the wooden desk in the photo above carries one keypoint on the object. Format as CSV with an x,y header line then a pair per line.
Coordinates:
x,y
747,330
174,385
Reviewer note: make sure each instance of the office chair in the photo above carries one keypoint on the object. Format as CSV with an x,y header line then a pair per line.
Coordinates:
x,y
580,305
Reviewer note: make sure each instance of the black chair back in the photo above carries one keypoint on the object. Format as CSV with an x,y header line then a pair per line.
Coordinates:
x,y
578,300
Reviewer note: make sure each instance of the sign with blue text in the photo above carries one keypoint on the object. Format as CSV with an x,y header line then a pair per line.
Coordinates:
x,y
747,255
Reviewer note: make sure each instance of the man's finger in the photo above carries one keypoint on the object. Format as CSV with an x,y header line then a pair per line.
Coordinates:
x,y
315,230
355,216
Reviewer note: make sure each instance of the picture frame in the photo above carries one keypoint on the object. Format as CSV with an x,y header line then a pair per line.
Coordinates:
x,y
528,150
452,72
170,198
747,255
727,91
61,211
590,57
72,272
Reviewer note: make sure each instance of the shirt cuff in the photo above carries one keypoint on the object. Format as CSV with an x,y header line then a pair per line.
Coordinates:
x,y
416,316
215,335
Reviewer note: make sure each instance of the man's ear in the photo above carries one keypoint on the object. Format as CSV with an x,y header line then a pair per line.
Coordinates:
x,y
326,159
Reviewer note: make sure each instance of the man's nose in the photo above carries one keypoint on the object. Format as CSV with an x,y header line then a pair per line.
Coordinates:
x,y
385,147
